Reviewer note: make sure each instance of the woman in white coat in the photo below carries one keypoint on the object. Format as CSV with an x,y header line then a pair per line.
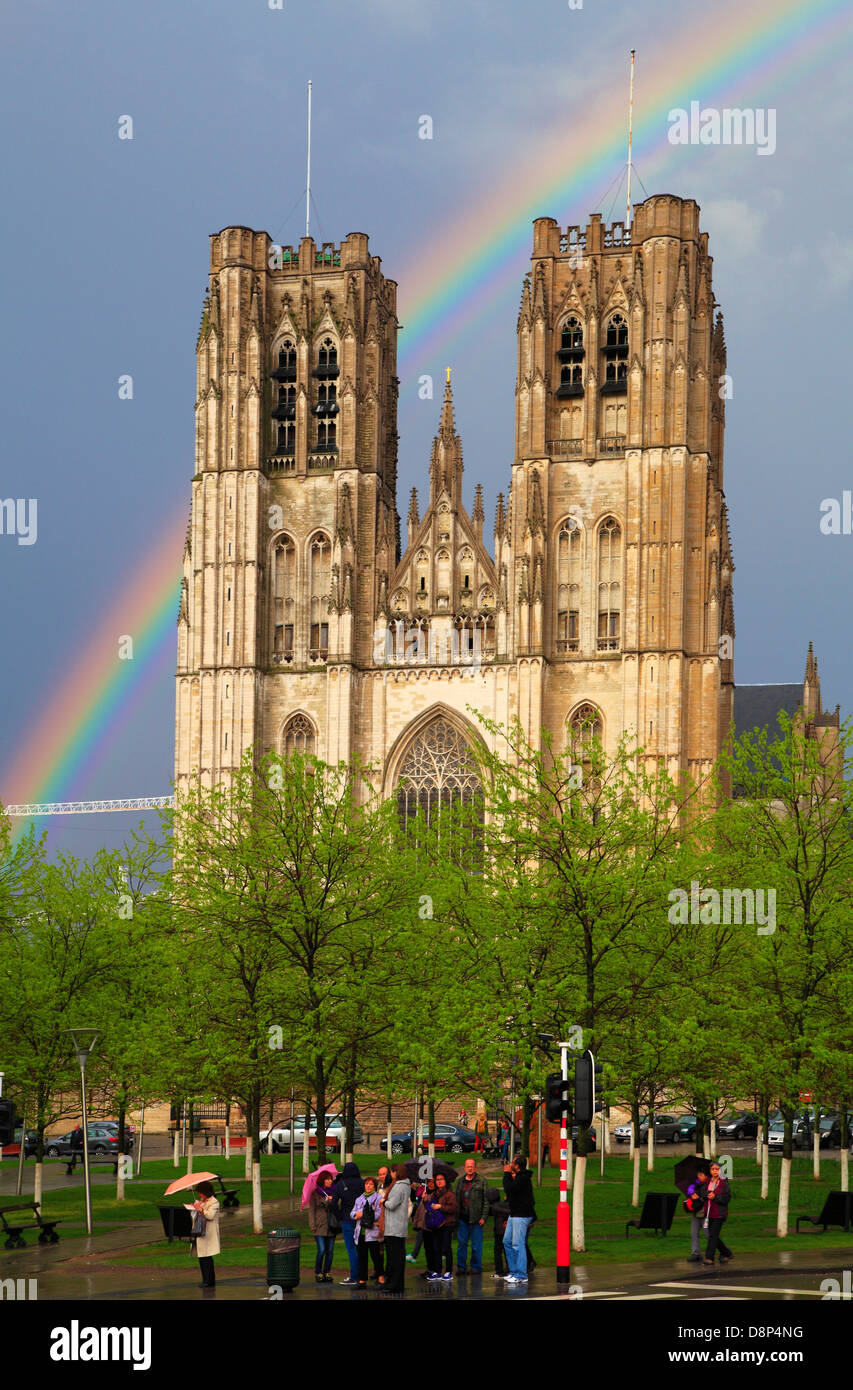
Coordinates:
x,y
207,1246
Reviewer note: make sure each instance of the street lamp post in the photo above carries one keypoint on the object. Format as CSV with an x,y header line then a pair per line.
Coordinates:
x,y
84,1040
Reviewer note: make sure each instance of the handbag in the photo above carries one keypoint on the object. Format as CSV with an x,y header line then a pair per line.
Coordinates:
x,y
433,1218
199,1227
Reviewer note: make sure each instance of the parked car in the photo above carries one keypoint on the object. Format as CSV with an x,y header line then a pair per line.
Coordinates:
x,y
830,1131
280,1141
453,1139
592,1145
776,1135
622,1133
101,1140
686,1129
741,1124
666,1129
13,1150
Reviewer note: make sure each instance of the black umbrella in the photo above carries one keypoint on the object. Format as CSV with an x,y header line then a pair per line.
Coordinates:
x,y
687,1169
417,1172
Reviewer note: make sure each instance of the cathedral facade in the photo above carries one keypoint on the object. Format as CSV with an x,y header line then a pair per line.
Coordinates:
x,y
308,622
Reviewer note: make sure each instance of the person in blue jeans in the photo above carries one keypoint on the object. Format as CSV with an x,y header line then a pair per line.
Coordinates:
x,y
518,1187
347,1188
472,1210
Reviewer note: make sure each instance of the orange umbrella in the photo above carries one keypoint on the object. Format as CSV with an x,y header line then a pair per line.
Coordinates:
x,y
191,1180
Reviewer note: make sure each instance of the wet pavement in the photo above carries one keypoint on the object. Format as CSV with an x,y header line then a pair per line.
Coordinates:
x,y
84,1268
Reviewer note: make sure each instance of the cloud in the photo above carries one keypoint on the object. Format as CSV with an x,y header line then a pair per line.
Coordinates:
x,y
735,227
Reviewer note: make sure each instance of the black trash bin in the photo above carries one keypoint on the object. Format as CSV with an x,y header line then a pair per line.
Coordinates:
x,y
283,1258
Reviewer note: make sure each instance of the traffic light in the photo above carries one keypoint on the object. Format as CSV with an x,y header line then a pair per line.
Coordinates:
x,y
586,1072
7,1122
556,1097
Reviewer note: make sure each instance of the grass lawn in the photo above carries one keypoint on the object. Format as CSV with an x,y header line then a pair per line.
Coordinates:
x,y
750,1228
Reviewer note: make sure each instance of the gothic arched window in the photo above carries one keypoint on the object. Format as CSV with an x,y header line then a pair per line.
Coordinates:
x,y
585,728
286,362
568,586
437,772
571,354
609,585
616,354
284,598
298,736
320,572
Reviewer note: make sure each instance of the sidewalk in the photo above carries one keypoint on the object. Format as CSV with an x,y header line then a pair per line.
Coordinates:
x,y
81,1269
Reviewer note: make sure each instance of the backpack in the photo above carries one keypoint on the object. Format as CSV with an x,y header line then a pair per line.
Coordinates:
x,y
368,1216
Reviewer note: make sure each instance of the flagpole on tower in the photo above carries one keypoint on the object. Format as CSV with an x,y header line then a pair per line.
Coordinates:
x,y
308,180
630,138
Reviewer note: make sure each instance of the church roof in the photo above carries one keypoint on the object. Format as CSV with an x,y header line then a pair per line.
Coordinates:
x,y
758,706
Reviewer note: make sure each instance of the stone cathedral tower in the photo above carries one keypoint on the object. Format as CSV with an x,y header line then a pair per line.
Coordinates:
x,y
608,598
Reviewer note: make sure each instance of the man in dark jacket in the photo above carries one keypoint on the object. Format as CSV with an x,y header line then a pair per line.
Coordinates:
x,y
347,1187
518,1187
472,1210
718,1197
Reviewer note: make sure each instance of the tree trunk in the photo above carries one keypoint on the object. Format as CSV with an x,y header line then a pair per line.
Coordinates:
x,y
176,1156
578,1230
785,1179
306,1139
650,1144
526,1118
320,1100
765,1150
784,1197
190,1145
431,1129
253,1146
843,1153
249,1109
122,1113
816,1145
389,1129
635,1150
227,1131
713,1139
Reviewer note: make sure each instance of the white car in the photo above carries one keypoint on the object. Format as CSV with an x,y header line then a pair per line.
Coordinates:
x,y
280,1134
622,1133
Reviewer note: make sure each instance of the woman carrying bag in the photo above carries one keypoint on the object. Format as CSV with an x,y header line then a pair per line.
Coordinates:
x,y
325,1225
206,1233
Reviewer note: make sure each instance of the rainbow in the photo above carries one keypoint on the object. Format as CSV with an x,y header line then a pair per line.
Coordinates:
x,y
448,290
74,732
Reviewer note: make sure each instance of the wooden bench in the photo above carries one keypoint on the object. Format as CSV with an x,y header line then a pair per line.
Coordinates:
x,y
658,1211
13,1229
837,1211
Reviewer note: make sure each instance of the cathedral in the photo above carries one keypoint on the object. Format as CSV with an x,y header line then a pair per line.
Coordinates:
x,y
308,621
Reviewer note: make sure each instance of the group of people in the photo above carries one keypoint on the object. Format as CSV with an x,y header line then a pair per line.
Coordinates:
x,y
707,1205
373,1217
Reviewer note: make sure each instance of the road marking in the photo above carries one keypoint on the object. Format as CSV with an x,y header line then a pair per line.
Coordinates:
x,y
741,1288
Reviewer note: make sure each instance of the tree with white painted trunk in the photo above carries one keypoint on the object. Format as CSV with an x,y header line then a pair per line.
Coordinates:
x,y
788,831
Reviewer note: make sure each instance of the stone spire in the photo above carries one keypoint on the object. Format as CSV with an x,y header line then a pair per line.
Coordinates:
x,y
811,687
446,462
478,516
413,520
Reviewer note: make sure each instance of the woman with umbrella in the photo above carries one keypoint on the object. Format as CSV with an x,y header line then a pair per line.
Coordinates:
x,y
323,1220
207,1244
718,1195
205,1241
